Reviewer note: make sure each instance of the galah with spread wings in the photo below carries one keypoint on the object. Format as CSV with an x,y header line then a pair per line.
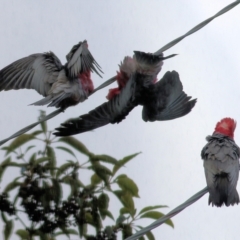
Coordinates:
x,y
138,85
61,85
221,164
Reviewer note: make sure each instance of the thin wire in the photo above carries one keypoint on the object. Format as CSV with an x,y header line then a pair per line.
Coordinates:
x,y
196,28
171,214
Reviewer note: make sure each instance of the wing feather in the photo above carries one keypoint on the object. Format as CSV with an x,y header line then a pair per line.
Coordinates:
x,y
168,100
113,111
37,71
81,60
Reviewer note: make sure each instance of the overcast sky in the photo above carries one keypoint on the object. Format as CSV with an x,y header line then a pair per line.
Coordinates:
x,y
169,170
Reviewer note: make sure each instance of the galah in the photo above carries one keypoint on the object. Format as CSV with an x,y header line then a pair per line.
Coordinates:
x,y
61,85
137,79
221,164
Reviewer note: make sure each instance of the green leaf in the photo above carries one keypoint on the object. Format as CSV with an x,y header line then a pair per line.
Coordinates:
x,y
153,214
82,228
127,200
42,236
120,219
73,142
43,124
67,150
32,159
156,215
123,162
23,234
67,179
146,209
109,231
28,148
127,231
68,231
104,213
141,238
4,165
124,210
89,218
11,186
79,183
62,169
15,164
103,201
127,184
35,133
4,218
150,236
106,158
52,160
19,141
97,167
8,228
57,191
95,179
41,160
102,171
90,237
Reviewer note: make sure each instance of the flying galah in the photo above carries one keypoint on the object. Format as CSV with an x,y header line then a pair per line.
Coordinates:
x,y
221,164
137,80
61,85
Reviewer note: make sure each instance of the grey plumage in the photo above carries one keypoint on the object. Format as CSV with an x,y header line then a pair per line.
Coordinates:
x,y
166,100
163,100
44,72
113,111
221,164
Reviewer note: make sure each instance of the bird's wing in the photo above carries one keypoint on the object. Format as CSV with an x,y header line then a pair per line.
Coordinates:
x,y
171,102
113,111
37,71
80,60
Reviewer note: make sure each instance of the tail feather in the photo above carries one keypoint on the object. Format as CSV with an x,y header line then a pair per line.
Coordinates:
x,y
222,193
55,101
43,101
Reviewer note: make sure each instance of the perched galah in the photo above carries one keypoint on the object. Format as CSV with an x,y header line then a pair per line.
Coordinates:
x,y
62,86
221,163
163,100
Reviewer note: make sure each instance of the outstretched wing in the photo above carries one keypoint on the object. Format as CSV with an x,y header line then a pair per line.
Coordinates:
x,y
113,111
37,71
81,60
169,101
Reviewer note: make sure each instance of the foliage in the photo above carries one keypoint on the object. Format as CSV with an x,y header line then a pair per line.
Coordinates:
x,y
38,192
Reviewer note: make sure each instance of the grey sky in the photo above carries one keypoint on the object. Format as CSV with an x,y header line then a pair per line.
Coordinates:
x,y
169,170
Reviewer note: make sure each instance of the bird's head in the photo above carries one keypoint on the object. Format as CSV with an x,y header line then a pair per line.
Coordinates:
x,y
226,127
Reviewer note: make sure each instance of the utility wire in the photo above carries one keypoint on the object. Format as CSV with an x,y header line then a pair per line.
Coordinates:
x,y
171,214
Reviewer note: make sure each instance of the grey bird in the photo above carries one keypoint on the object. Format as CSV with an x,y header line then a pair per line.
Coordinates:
x,y
137,79
61,85
221,164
